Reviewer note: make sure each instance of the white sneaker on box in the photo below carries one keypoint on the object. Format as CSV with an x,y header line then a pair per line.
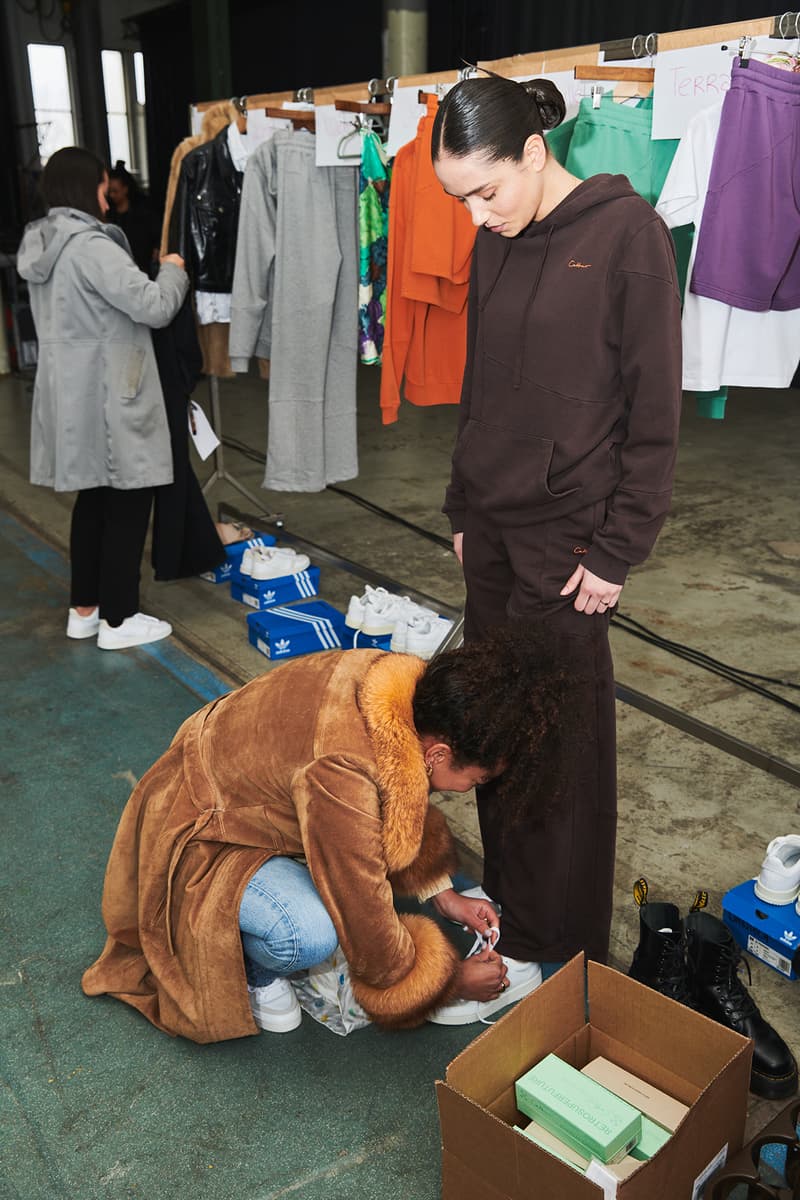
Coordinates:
x,y
523,978
275,1007
357,607
426,634
385,613
82,627
137,630
273,562
779,879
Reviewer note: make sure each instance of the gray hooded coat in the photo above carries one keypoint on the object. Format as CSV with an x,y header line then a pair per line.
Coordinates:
x,y
98,415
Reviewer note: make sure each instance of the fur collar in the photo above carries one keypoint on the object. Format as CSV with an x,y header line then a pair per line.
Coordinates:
x,y
384,698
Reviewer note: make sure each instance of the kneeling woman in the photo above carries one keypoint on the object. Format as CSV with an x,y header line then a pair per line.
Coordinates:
x,y
284,817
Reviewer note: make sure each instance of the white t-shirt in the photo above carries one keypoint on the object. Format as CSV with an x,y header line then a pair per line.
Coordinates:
x,y
721,345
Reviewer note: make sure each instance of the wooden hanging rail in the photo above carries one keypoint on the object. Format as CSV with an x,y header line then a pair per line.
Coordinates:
x,y
617,74
298,116
377,109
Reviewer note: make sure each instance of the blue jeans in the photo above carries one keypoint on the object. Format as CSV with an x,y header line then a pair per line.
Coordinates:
x,y
285,926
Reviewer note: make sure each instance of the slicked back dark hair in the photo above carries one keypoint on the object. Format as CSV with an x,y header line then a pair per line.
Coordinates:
x,y
71,179
493,116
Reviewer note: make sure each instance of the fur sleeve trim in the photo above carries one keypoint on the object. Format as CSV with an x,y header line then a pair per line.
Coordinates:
x,y
436,859
428,984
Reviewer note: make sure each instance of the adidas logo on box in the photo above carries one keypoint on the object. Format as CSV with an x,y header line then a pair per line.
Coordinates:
x,y
282,645
269,597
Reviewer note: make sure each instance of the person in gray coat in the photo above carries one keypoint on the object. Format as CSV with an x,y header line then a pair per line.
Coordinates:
x,y
98,425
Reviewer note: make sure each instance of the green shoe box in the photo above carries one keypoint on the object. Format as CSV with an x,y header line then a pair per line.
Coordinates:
x,y
578,1110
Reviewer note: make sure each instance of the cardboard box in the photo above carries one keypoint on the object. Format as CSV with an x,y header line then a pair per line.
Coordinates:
x,y
657,1105
700,1063
537,1133
578,1110
266,593
284,632
233,557
770,932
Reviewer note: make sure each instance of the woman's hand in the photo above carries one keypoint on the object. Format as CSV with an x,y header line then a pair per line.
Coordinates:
x,y
478,915
175,259
481,977
458,544
594,595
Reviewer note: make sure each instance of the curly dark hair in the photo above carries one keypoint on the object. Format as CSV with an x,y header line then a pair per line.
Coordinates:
x,y
497,704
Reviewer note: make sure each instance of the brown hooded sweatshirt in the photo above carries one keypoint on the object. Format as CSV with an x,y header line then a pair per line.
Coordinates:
x,y
572,385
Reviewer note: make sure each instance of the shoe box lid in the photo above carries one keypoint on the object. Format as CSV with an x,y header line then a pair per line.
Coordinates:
x,y
702,1064
770,932
285,632
265,593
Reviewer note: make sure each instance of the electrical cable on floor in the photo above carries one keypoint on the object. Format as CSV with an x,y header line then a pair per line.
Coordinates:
x,y
622,622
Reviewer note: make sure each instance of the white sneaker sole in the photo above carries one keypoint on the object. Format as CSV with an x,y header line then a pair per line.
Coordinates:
x,y
83,634
105,642
769,896
451,1015
279,1022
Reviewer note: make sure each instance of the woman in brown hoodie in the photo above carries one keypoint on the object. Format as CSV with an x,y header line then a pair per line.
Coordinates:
x,y
562,470
284,817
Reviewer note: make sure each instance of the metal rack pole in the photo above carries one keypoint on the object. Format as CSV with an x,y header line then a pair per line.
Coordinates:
x,y
219,471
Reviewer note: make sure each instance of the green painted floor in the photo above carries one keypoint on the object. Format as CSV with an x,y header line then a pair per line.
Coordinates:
x,y
95,1103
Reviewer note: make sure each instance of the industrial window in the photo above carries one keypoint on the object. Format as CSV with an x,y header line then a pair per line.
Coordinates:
x,y
119,141
52,99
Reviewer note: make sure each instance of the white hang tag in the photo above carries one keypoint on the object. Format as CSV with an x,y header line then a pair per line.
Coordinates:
x,y
203,436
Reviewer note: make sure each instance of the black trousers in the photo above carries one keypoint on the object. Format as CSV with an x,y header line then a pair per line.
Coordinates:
x,y
109,527
553,876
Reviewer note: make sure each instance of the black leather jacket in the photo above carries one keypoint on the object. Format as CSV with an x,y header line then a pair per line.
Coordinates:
x,y
205,216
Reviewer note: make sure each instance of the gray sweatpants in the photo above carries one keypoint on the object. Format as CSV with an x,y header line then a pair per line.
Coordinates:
x,y
314,349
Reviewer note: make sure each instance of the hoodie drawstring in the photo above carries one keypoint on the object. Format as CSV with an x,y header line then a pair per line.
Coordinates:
x,y
527,310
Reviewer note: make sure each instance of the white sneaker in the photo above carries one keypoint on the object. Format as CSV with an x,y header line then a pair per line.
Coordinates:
x,y
275,1007
273,562
523,978
426,634
137,630
357,607
779,879
83,627
385,613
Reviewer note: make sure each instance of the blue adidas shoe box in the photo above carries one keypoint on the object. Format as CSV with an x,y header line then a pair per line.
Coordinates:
x,y
265,593
283,632
770,932
356,640
233,557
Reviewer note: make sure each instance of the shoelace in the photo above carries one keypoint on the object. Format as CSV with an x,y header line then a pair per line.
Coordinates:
x,y
484,941
672,973
740,1004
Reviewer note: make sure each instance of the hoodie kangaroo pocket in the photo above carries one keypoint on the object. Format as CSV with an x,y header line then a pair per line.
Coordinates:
x,y
132,372
504,470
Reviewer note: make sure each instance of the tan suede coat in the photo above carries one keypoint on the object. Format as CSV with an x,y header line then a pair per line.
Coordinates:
x,y
317,759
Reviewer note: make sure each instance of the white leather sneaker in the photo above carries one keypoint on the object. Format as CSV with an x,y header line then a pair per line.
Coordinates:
x,y
273,562
137,630
357,607
779,879
425,635
83,627
523,978
275,1007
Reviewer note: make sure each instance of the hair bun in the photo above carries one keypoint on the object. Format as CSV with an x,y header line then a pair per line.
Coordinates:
x,y
548,100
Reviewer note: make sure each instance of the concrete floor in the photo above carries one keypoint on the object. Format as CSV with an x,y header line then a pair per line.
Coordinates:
x,y
724,579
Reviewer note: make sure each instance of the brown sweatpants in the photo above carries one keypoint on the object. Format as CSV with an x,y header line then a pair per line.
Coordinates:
x,y
553,876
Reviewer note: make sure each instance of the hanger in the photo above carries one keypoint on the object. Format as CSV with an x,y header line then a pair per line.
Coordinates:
x,y
300,118
638,81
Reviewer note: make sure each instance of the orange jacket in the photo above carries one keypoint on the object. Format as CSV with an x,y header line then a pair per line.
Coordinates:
x,y
429,254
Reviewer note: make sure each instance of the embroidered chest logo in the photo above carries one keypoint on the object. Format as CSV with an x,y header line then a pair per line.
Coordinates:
x,y
575,263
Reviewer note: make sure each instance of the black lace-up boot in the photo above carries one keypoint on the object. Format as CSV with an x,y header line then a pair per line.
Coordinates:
x,y
660,958
719,993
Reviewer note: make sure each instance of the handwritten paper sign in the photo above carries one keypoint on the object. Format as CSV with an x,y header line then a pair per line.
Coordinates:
x,y
260,127
691,79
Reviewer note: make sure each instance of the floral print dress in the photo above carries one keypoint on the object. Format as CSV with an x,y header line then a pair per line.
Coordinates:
x,y
373,230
